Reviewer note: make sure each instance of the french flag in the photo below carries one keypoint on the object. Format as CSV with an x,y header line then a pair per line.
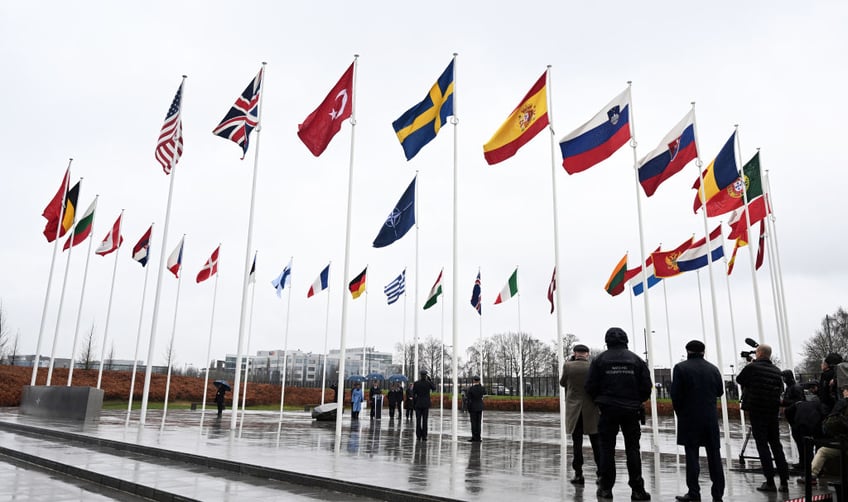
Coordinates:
x,y
676,149
321,283
598,138
696,256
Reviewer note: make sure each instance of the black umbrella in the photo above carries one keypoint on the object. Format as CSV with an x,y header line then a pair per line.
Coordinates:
x,y
222,384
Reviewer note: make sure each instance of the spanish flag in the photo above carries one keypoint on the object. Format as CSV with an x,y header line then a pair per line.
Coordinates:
x,y
357,285
522,125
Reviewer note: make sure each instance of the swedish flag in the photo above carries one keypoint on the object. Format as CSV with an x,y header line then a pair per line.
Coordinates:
x,y
420,124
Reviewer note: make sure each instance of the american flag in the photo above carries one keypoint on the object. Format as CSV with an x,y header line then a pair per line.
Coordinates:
x,y
475,295
396,288
170,145
243,117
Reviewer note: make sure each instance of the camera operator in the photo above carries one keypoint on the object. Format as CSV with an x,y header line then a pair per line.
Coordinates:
x,y
421,399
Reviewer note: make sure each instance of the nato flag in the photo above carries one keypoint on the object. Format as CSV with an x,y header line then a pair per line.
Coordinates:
x,y
400,220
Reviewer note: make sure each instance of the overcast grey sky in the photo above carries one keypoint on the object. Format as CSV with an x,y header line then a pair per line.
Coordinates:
x,y
93,80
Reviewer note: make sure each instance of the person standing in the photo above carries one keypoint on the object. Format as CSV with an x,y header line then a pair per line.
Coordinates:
x,y
375,393
409,402
581,414
421,396
219,399
762,386
395,399
619,382
695,386
356,398
827,381
474,397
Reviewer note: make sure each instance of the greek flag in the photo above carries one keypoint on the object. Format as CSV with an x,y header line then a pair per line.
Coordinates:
x,y
396,288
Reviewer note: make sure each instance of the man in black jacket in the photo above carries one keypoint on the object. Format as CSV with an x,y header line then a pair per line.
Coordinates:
x,y
827,381
474,396
619,382
421,395
762,386
695,386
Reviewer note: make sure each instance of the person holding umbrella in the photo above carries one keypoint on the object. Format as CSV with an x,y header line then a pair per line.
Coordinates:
x,y
223,387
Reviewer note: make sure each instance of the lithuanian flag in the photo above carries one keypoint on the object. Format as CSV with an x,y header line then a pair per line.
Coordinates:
x,y
616,281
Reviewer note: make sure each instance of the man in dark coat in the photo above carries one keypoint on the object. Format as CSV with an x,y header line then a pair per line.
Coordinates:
x,y
792,396
619,382
827,381
474,397
395,399
762,386
695,386
421,400
581,414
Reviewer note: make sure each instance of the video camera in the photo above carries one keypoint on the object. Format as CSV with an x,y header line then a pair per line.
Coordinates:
x,y
748,355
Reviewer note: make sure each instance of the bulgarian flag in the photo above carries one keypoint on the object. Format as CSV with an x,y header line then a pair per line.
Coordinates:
x,y
83,228
435,291
510,290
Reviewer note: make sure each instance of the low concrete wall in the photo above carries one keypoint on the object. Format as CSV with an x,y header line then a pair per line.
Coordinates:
x,y
77,403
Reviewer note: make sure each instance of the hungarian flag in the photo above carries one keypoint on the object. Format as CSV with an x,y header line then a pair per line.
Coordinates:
x,y
53,211
113,239
243,116
357,285
510,290
761,245
210,268
617,279
141,251
175,260
324,123
83,228
435,291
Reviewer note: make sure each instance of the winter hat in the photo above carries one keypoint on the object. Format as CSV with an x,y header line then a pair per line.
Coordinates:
x,y
580,348
615,336
833,359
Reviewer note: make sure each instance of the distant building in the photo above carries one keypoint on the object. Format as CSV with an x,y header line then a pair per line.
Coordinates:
x,y
307,368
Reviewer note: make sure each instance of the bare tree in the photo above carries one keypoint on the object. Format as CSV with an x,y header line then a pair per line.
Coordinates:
x,y
109,363
87,353
13,348
4,331
170,356
832,336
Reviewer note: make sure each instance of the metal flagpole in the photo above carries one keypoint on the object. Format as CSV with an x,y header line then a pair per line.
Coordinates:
x,y
442,371
732,328
557,294
403,363
480,323
326,334
209,348
247,350
340,385
162,259
772,222
520,358
109,307
417,304
247,260
701,308
171,346
138,337
343,336
50,274
455,267
82,293
365,334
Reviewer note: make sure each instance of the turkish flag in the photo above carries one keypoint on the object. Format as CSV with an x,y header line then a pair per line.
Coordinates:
x,y
320,126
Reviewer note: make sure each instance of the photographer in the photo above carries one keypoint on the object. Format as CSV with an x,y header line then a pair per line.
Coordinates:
x,y
421,400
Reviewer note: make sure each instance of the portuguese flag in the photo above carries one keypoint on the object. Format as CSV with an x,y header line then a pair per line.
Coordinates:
x,y
83,228
616,281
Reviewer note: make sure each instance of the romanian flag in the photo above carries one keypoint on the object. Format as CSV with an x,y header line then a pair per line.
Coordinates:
x,y
618,278
598,138
720,174
357,285
525,122
665,262
732,196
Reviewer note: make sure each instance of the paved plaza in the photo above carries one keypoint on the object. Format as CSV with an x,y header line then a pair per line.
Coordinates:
x,y
298,459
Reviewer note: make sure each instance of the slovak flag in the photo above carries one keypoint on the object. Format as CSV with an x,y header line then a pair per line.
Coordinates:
x,y
321,283
598,138
210,268
175,260
676,149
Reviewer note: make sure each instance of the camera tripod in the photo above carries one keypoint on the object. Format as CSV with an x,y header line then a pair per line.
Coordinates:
x,y
742,455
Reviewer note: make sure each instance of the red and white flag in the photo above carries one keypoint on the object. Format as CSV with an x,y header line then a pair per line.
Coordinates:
x,y
321,125
211,267
113,239
761,246
175,260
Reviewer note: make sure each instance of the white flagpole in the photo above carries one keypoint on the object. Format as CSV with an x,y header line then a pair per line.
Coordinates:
x,y
151,344
670,359
732,329
326,335
649,337
247,259
442,371
365,334
520,358
417,304
286,355
345,273
50,274
109,307
62,302
701,308
557,294
209,349
403,364
247,358
171,347
82,292
772,222
138,336
480,323
455,267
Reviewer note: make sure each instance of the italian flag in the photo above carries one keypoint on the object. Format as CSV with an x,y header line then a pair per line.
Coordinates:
x,y
435,291
510,290
83,228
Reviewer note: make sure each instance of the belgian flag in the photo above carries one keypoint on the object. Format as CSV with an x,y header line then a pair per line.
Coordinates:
x,y
357,285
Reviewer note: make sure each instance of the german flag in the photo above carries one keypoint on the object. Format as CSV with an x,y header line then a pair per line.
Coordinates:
x,y
357,285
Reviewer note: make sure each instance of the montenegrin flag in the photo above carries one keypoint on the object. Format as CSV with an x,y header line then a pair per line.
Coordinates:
x,y
598,138
525,122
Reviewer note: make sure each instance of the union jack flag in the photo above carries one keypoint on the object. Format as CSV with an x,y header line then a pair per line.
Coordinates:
x,y
170,145
243,117
475,294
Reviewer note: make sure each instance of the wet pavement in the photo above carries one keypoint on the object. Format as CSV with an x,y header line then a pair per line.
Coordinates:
x,y
297,458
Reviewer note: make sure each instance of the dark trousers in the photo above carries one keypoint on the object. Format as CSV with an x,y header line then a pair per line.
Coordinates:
x,y
476,424
421,415
410,409
392,408
766,432
693,468
612,419
577,441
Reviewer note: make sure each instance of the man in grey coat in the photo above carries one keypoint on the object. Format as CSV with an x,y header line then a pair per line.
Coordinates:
x,y
581,414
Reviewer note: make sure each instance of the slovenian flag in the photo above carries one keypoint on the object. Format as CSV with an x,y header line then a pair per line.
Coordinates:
x,y
321,283
676,149
696,256
598,138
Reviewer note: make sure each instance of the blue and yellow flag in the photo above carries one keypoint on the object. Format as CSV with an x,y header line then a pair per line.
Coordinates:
x,y
420,124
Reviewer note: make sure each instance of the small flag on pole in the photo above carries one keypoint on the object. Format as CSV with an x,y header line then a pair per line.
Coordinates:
x,y
283,279
83,227
243,116
175,260
321,283
141,251
400,220
396,288
113,239
55,209
510,290
324,123
210,268
435,292
169,148
475,295
357,285
551,289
